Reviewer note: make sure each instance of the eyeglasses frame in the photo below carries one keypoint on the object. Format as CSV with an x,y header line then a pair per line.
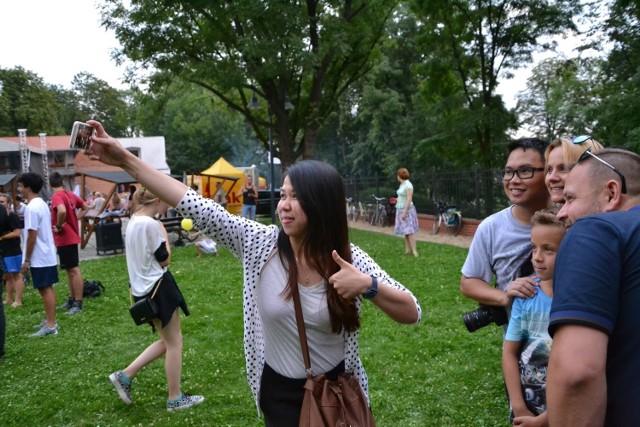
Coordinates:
x,y
515,172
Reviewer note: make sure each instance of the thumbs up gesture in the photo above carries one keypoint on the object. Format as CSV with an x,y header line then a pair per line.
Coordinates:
x,y
349,282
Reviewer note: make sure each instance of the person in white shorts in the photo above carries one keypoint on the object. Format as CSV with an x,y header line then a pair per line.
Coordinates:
x,y
205,245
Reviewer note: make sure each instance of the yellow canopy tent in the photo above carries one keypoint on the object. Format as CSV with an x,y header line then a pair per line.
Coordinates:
x,y
232,180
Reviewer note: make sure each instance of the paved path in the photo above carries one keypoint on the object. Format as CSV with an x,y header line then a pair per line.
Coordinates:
x,y
422,235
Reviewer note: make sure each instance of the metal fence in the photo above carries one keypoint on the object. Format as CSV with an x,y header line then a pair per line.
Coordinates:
x,y
477,192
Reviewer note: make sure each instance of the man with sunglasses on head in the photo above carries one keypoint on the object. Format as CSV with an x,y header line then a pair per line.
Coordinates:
x,y
594,368
502,242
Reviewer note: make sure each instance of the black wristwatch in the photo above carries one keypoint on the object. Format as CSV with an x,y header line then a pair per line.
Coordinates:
x,y
373,290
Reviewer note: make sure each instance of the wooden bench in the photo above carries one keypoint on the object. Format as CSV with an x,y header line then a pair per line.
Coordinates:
x,y
174,225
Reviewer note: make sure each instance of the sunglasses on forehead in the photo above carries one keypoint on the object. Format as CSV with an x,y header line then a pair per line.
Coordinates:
x,y
587,153
580,139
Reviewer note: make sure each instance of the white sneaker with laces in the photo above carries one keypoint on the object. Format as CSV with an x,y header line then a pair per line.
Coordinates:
x,y
45,330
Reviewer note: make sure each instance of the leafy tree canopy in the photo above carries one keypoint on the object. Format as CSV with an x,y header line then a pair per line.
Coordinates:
x,y
26,102
197,130
468,46
310,52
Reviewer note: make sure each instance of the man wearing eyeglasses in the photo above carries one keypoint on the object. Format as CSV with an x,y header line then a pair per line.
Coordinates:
x,y
594,368
502,243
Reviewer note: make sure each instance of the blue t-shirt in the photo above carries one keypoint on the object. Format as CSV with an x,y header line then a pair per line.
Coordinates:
x,y
529,325
597,284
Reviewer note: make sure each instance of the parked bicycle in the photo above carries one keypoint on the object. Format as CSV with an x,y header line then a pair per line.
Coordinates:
x,y
364,212
352,210
450,216
379,215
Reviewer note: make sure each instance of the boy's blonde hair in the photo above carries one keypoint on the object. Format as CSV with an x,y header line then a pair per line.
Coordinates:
x,y
547,217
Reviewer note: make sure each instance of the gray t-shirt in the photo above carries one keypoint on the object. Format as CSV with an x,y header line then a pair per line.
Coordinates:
x,y
499,248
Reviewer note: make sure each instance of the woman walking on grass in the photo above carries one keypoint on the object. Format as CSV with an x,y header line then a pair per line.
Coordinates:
x,y
311,253
148,255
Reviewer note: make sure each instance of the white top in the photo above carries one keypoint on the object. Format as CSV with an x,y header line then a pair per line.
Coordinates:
x,y
144,236
37,216
98,203
282,342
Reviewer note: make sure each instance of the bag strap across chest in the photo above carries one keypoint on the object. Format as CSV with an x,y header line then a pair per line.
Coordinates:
x,y
302,331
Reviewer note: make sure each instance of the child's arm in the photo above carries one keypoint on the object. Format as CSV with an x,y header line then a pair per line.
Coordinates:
x,y
532,421
511,371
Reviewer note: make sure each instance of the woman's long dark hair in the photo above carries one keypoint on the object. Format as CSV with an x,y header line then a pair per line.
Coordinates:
x,y
320,191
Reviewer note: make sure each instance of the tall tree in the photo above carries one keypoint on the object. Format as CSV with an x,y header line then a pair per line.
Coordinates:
x,y
197,130
559,98
380,120
468,45
98,101
26,102
309,51
618,115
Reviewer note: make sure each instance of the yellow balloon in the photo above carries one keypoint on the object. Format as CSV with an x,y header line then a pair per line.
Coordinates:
x,y
187,224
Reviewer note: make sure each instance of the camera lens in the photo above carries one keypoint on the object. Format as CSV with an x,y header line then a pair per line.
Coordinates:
x,y
482,316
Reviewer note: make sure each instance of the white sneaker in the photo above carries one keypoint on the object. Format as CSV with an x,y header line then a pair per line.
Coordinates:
x,y
45,330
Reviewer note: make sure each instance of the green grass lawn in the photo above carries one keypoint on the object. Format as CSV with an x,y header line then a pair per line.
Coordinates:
x,y
433,374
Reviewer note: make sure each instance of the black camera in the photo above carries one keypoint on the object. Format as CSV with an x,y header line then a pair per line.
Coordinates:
x,y
484,315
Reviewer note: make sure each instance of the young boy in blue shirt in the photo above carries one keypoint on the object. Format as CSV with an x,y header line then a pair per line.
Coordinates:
x,y
527,344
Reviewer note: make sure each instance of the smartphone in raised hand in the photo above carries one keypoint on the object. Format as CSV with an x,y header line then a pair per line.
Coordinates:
x,y
81,136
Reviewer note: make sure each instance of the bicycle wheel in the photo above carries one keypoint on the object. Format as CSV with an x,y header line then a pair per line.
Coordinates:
x,y
374,215
456,225
380,217
436,223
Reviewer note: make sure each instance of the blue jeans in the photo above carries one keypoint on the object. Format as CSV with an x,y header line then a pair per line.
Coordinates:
x,y
250,210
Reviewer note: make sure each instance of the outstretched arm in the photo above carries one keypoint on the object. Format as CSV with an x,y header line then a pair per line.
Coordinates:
x,y
111,152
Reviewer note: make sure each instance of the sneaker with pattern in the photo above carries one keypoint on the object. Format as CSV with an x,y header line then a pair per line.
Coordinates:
x,y
183,402
122,385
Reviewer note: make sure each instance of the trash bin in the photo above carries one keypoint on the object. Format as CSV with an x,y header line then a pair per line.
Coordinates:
x,y
109,237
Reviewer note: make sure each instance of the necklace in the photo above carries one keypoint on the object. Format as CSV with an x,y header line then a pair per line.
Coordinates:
x,y
306,280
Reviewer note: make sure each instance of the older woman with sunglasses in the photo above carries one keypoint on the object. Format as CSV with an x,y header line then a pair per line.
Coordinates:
x,y
559,156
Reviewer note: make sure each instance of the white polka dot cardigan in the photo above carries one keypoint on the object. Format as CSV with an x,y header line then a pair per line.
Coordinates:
x,y
253,243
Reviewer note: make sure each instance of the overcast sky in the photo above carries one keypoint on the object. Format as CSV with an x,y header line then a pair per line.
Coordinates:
x,y
59,39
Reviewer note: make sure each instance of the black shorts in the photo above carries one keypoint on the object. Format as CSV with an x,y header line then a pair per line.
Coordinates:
x,y
69,257
168,298
281,397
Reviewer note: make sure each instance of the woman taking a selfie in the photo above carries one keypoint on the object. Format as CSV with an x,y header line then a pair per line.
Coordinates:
x,y
311,255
